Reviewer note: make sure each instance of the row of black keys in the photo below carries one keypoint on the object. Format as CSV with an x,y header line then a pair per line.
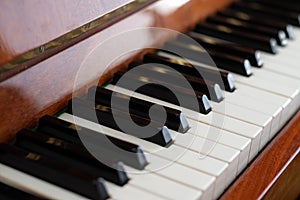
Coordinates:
x,y
56,147
234,36
55,153
240,39
256,24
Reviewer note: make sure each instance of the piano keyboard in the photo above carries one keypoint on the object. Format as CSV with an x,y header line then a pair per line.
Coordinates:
x,y
193,155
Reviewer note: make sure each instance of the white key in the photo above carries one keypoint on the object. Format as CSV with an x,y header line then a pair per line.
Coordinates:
x,y
214,119
33,185
129,192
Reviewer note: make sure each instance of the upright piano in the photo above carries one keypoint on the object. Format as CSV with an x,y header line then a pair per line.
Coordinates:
x,y
55,56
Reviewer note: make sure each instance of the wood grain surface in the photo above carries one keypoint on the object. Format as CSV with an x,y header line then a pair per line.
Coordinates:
x,y
259,176
27,24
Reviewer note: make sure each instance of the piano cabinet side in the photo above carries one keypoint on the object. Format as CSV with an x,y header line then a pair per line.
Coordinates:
x,y
275,173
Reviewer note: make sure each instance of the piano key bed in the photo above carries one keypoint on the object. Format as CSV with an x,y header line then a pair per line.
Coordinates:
x,y
258,94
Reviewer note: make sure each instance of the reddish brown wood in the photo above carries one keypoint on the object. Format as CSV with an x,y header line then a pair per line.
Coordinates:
x,y
45,87
25,25
257,177
63,41
286,186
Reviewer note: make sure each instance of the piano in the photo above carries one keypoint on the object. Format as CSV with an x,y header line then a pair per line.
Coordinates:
x,y
62,64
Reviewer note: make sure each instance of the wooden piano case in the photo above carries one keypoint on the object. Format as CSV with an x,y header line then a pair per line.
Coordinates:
x,y
42,44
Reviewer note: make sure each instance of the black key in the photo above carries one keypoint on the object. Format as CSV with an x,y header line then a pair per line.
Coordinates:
x,y
106,118
224,79
10,193
211,43
73,154
50,170
210,89
283,5
166,93
224,61
250,28
129,153
265,11
176,120
267,22
227,33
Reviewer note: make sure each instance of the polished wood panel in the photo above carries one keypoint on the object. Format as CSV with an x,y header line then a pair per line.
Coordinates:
x,y
257,180
287,184
62,42
27,24
46,86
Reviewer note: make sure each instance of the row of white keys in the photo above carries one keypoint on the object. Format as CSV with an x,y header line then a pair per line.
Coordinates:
x,y
243,144
284,62
288,82
213,149
244,114
269,85
258,105
272,86
207,167
153,186
281,68
221,121
273,76
263,96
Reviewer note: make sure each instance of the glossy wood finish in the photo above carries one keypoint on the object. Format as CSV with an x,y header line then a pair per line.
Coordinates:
x,y
46,86
286,185
268,176
25,25
62,42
